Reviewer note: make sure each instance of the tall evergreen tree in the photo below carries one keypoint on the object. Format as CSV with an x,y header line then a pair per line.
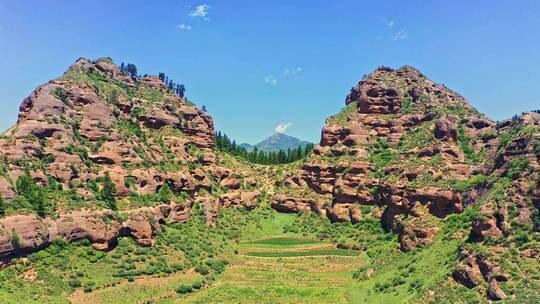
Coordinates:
x,y
34,194
2,206
108,192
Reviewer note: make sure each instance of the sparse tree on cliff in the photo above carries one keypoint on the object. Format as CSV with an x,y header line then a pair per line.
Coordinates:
x,y
34,194
2,206
108,192
131,69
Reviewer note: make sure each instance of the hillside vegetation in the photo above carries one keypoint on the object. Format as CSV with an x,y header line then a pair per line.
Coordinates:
x,y
114,188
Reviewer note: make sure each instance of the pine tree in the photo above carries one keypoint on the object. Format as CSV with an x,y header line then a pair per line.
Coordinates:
x,y
34,194
108,192
131,70
2,206
181,90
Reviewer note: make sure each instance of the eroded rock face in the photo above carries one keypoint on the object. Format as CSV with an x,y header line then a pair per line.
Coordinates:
x,y
446,129
27,233
79,131
95,121
474,269
404,113
286,204
101,228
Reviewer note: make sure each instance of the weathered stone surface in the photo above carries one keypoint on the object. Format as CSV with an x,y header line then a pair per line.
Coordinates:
x,y
101,228
6,191
411,237
287,204
247,200
21,234
156,118
84,132
446,128
495,292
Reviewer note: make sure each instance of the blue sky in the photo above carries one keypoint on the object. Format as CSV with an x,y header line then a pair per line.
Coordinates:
x,y
258,64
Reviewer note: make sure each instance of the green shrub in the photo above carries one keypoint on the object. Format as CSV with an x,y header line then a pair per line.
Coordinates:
x,y
197,285
406,104
74,283
202,269
165,194
471,182
183,289
48,158
61,94
536,148
464,142
137,111
381,154
15,239
489,135
130,182
516,166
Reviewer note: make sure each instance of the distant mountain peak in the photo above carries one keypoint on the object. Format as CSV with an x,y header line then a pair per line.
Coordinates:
x,y
276,142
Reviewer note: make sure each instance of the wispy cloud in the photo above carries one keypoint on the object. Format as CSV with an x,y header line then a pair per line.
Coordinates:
x,y
293,73
184,26
271,80
401,35
201,11
282,127
391,23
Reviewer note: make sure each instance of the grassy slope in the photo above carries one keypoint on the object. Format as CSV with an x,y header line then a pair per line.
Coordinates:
x,y
286,269
292,270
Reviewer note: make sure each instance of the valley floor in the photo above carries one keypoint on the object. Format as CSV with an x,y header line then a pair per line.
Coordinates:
x,y
276,268
271,258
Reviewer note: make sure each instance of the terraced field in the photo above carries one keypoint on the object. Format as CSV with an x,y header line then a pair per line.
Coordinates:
x,y
283,269
265,266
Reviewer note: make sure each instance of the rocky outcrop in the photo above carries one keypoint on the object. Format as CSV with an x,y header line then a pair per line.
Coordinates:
x,y
247,200
77,128
21,234
446,129
283,203
411,237
473,269
378,152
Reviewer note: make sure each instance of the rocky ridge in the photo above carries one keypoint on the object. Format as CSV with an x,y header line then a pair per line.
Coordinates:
x,y
410,152
405,151
94,121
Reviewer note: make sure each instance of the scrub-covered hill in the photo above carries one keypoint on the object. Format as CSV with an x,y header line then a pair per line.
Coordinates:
x,y
112,184
415,157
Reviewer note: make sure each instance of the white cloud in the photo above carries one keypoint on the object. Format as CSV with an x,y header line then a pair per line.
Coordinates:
x,y
271,80
282,127
184,26
391,23
293,73
401,35
201,11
